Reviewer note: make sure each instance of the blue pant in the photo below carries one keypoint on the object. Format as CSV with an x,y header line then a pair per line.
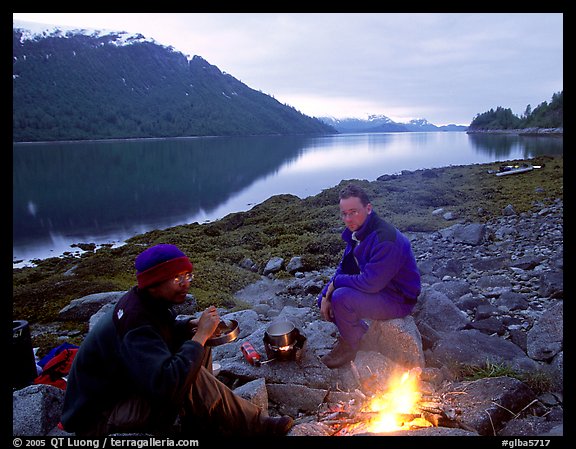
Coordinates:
x,y
350,306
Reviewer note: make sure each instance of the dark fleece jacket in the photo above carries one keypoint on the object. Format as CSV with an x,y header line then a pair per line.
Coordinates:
x,y
137,349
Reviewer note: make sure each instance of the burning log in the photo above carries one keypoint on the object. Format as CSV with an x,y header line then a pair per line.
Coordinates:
x,y
407,417
368,385
335,416
441,410
445,416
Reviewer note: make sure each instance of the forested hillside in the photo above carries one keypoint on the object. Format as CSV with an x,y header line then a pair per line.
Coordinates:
x,y
545,115
75,86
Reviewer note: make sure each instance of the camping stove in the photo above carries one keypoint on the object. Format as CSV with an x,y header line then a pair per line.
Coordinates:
x,y
293,351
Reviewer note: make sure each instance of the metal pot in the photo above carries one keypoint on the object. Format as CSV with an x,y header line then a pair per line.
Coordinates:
x,y
282,333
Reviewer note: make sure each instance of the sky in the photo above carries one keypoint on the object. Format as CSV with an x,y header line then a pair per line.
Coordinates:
x,y
444,67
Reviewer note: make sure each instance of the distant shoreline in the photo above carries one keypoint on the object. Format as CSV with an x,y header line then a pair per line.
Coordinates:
x,y
536,132
546,132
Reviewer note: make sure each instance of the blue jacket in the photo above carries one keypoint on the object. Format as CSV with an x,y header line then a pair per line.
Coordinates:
x,y
381,261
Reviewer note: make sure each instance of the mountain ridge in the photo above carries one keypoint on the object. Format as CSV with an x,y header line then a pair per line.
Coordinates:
x,y
382,123
75,86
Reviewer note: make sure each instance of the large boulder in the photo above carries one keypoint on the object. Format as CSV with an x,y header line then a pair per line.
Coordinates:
x,y
474,348
439,313
398,339
82,309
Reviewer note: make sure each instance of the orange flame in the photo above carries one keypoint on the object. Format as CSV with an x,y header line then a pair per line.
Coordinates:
x,y
400,399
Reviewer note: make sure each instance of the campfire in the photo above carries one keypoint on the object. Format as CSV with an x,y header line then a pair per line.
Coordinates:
x,y
397,407
387,405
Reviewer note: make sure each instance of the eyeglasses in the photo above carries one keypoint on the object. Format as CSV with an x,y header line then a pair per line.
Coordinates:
x,y
182,278
352,213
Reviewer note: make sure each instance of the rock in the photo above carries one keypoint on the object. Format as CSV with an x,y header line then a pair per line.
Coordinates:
x,y
513,301
545,338
437,311
291,399
310,429
294,265
489,402
262,291
494,281
255,392
552,284
99,314
398,339
83,308
531,425
453,289
36,410
273,266
248,264
472,347
470,234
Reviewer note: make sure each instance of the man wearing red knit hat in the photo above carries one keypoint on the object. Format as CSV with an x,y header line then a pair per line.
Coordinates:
x,y
139,370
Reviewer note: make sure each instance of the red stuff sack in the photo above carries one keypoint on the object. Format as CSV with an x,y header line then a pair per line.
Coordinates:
x,y
56,370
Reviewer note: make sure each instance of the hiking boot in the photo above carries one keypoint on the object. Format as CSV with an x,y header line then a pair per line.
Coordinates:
x,y
341,354
277,426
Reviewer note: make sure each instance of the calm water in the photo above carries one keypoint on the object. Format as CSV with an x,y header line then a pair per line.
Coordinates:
x,y
106,192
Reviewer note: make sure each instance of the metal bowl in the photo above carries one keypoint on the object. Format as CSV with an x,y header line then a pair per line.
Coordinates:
x,y
229,331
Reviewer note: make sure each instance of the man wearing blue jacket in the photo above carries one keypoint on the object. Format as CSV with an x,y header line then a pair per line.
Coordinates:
x,y
377,277
139,370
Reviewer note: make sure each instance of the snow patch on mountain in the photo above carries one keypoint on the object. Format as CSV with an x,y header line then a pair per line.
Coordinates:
x,y
33,30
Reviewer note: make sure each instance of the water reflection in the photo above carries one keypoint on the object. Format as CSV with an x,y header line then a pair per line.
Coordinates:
x,y
501,146
66,193
542,146
91,187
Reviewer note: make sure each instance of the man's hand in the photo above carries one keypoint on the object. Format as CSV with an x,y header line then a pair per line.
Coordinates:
x,y
326,311
193,324
207,324
330,290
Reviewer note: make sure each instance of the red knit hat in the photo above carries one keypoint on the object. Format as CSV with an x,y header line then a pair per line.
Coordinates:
x,y
159,263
